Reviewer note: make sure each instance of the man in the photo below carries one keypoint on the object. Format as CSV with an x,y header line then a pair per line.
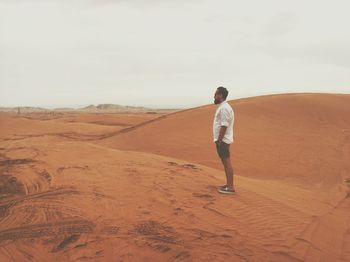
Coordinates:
x,y
223,135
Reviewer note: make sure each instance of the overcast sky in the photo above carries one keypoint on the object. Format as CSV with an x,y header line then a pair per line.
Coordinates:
x,y
162,53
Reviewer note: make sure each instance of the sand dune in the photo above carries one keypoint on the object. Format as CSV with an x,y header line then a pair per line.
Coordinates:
x,y
146,191
294,136
79,126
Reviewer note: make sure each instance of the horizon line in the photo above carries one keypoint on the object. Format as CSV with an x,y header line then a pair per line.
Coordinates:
x,y
155,107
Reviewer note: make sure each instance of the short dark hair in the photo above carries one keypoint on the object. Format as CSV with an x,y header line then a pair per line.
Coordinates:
x,y
222,90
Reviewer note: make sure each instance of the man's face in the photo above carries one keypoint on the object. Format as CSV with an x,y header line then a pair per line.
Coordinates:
x,y
217,98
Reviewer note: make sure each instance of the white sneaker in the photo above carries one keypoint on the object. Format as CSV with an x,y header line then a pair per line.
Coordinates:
x,y
226,190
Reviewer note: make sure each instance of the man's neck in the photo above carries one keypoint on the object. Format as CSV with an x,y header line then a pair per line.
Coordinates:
x,y
219,104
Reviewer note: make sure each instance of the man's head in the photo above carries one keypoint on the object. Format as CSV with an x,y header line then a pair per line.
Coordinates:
x,y
220,95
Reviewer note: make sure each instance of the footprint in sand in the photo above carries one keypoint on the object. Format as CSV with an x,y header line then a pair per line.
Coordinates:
x,y
187,166
347,181
203,196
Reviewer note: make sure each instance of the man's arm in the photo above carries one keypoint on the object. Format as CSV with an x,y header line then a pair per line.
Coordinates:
x,y
225,118
222,133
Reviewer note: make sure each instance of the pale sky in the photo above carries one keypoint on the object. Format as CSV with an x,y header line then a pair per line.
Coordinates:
x,y
162,53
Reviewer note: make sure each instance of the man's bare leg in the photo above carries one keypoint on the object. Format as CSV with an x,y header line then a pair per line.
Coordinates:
x,y
228,171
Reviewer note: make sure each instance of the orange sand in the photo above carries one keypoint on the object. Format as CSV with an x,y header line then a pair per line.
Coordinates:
x,y
134,187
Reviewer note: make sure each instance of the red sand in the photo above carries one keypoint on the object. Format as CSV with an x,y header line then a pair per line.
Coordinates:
x,y
109,188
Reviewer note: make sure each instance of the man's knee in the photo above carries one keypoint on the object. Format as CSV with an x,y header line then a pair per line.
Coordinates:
x,y
226,161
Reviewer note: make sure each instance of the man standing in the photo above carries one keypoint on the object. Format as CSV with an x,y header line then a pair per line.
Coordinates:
x,y
223,136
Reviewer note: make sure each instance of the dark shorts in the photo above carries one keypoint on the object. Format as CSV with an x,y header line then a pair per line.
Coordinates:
x,y
223,150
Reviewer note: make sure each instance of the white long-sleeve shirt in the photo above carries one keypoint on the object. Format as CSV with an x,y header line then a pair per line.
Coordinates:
x,y
224,116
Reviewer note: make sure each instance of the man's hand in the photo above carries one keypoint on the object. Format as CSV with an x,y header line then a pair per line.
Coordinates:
x,y
221,133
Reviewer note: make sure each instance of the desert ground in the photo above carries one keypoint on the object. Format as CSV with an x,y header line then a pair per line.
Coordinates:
x,y
143,187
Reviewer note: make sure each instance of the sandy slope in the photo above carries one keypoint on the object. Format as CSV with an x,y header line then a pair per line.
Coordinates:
x,y
72,125
295,136
79,197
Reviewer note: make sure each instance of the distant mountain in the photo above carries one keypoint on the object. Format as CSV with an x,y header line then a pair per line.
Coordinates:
x,y
88,107
112,107
91,108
